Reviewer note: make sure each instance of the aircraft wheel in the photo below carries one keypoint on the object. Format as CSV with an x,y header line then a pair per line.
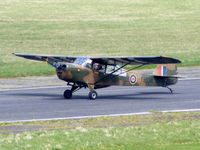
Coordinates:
x,y
92,95
67,94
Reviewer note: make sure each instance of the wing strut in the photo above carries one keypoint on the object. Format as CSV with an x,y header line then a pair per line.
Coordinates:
x,y
120,73
111,73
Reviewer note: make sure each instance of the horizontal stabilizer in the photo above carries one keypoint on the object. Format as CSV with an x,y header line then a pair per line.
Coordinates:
x,y
172,76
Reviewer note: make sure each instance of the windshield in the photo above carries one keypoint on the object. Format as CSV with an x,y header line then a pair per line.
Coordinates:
x,y
83,61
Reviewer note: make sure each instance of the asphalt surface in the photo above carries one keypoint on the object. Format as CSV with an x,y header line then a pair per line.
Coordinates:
x,y
45,103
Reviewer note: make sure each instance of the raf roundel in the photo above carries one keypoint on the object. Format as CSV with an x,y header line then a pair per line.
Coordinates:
x,y
133,79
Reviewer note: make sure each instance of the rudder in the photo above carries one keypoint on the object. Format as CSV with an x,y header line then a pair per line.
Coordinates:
x,y
166,70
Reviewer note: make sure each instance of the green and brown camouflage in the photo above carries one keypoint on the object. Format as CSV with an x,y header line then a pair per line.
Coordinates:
x,y
82,75
101,72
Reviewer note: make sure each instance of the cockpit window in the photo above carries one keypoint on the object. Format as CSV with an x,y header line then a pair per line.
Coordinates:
x,y
99,67
84,61
111,68
87,63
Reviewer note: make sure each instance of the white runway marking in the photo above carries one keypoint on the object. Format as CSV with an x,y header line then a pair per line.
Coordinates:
x,y
96,116
189,79
34,88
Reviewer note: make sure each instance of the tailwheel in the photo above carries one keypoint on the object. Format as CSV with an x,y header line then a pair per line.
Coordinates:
x,y
92,95
170,89
67,94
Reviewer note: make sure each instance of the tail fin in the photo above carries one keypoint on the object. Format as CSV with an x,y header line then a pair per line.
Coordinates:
x,y
167,70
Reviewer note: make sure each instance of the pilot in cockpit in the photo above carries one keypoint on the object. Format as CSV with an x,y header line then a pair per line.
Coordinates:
x,y
98,67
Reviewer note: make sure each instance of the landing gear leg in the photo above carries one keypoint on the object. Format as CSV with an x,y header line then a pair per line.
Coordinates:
x,y
165,85
68,93
170,89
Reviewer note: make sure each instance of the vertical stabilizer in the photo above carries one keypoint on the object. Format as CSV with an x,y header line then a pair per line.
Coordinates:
x,y
166,70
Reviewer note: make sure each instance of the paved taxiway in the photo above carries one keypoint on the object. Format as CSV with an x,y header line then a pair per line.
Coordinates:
x,y
43,103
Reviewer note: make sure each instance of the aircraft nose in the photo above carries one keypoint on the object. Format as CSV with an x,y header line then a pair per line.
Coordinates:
x,y
62,67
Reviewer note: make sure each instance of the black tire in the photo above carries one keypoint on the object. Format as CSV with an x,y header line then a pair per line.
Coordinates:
x,y
93,95
67,94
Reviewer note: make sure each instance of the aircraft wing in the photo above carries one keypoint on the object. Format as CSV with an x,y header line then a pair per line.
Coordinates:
x,y
139,60
51,58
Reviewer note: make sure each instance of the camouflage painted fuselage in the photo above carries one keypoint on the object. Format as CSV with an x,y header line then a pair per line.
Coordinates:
x,y
82,75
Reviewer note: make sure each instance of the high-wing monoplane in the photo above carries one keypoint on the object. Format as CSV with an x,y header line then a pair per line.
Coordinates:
x,y
101,72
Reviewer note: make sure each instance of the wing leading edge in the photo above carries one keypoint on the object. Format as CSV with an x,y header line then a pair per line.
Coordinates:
x,y
47,57
139,60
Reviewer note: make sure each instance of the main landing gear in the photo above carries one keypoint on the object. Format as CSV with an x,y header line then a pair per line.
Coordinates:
x,y
68,93
92,95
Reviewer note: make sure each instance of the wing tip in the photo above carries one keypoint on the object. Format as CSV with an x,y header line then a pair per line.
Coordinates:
x,y
171,60
17,54
174,60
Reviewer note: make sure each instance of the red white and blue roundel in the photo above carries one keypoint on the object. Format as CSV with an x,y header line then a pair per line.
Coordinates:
x,y
133,79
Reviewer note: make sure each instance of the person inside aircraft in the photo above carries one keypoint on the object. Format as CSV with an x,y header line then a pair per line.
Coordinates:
x,y
98,67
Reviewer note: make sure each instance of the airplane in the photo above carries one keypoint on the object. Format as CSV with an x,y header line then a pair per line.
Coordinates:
x,y
102,72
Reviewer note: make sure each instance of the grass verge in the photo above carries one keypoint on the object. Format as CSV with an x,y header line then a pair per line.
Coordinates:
x,y
158,131
96,28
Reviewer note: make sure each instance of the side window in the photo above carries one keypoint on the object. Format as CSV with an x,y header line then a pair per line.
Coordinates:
x,y
120,72
99,67
110,69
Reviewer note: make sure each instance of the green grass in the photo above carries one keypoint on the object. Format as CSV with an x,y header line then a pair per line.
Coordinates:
x,y
169,131
96,28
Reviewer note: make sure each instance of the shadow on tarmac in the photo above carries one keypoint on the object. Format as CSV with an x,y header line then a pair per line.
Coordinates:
x,y
134,96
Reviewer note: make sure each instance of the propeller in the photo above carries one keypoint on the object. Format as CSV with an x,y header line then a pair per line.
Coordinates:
x,y
58,66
